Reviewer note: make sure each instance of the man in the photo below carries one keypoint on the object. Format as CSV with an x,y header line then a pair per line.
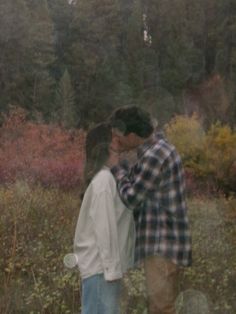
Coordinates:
x,y
154,188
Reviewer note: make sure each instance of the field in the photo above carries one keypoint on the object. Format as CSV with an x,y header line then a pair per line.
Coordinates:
x,y
36,231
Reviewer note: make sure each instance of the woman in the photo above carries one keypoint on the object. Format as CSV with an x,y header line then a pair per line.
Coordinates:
x,y
104,236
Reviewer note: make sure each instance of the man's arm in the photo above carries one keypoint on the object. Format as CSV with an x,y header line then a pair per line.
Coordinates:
x,y
145,179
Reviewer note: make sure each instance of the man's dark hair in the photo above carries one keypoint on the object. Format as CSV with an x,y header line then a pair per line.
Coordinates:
x,y
132,119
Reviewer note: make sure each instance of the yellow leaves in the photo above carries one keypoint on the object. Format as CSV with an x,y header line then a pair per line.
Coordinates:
x,y
210,154
220,147
222,136
187,134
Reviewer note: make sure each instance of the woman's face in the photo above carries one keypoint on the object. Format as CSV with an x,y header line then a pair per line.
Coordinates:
x,y
121,143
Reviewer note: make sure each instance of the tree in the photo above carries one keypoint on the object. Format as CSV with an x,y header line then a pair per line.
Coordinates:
x,y
148,52
94,60
14,47
225,62
65,102
62,14
41,82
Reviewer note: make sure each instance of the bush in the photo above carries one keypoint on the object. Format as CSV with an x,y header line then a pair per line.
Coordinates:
x,y
187,134
209,157
218,157
40,153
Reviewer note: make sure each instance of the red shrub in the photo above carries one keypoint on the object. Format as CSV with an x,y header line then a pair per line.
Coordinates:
x,y
40,153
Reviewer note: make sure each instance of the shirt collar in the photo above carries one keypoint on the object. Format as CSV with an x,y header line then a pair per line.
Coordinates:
x,y
156,137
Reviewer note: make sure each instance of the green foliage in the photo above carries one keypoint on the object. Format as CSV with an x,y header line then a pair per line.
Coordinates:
x,y
97,69
27,54
65,101
117,52
42,57
14,46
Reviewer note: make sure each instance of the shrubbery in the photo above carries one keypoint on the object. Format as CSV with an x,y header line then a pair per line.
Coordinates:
x,y
53,156
209,156
39,153
188,135
219,155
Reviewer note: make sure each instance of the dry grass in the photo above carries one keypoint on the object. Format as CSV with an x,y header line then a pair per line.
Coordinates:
x,y
36,231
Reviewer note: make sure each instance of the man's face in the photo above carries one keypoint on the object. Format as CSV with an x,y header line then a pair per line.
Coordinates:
x,y
122,143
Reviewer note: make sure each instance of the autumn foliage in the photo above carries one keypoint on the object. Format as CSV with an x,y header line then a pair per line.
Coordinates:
x,y
40,153
51,155
209,155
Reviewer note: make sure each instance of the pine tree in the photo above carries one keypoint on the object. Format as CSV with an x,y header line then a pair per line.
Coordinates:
x,y
94,56
65,102
226,50
62,13
42,57
14,47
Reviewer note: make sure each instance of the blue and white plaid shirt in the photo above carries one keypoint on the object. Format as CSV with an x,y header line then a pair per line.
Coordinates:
x,y
155,189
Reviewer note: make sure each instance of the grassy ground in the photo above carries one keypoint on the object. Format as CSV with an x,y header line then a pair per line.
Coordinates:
x,y
209,285
37,228
214,241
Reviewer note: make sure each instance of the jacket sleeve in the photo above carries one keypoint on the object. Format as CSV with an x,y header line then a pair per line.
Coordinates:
x,y
105,228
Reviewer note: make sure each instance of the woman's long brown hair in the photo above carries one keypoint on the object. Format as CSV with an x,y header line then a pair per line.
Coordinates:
x,y
97,144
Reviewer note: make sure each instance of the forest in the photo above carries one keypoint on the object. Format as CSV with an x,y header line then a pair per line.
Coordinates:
x,y
73,62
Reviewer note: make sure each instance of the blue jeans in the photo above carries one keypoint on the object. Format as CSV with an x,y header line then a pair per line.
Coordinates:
x,y
100,296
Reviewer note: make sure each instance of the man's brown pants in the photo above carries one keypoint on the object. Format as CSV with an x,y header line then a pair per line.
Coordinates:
x,y
162,285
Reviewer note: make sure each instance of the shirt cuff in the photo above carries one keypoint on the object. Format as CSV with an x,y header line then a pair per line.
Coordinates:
x,y
112,271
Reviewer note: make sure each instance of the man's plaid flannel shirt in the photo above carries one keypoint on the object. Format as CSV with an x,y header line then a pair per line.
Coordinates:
x,y
155,189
